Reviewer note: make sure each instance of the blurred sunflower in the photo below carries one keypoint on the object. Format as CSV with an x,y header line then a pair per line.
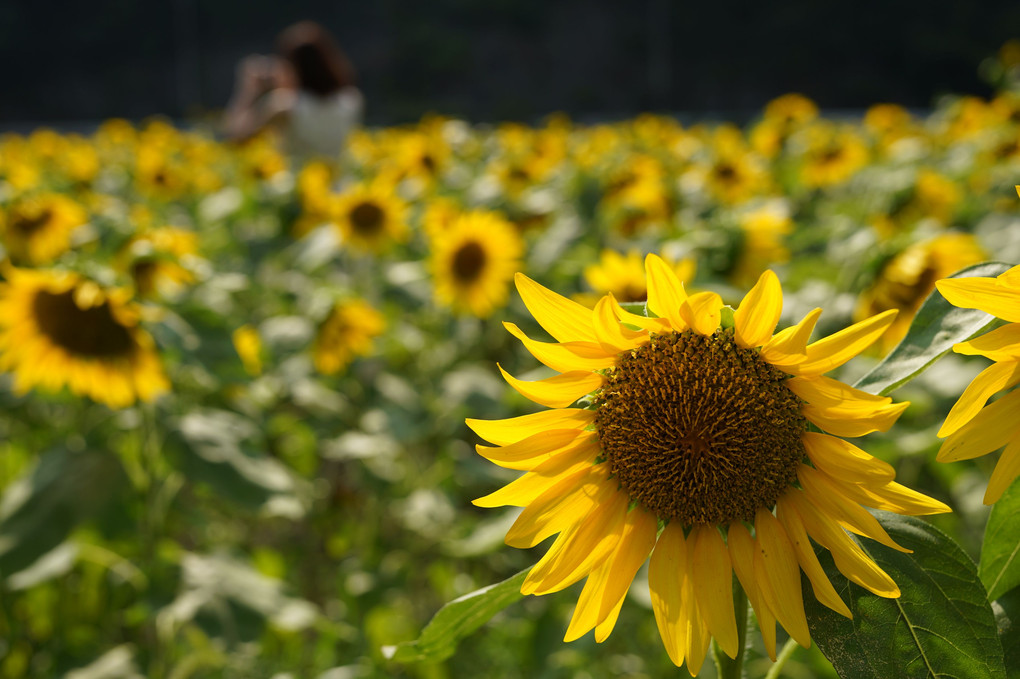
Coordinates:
x,y
703,428
156,260
248,345
473,260
623,276
347,332
832,156
370,216
972,428
764,231
37,229
907,279
60,329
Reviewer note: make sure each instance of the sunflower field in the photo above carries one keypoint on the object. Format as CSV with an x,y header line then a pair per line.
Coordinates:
x,y
269,418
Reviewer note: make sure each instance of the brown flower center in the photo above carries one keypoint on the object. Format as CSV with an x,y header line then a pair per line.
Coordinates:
x,y
367,219
27,224
92,332
469,262
700,430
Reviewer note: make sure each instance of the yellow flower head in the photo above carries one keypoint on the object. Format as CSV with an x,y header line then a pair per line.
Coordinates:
x,y
623,276
37,229
908,278
347,332
370,216
156,260
974,429
473,260
248,344
59,329
703,427
832,156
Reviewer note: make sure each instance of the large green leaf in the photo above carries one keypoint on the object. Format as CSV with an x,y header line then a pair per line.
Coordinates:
x,y
937,326
1007,618
39,510
941,626
458,619
1000,551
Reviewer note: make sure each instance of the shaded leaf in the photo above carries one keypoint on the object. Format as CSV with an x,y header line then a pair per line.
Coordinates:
x,y
937,326
941,625
39,510
458,619
1007,620
1000,551
214,451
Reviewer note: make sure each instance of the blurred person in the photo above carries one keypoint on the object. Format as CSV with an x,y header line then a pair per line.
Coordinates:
x,y
307,92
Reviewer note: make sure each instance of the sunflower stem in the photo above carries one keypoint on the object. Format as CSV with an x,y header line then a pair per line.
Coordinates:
x,y
733,668
784,654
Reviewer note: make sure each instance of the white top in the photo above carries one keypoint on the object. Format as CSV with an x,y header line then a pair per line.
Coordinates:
x,y
318,126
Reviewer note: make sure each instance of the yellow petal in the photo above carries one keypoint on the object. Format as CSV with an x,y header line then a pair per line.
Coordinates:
x,y
665,292
842,459
701,311
1005,472
1010,277
788,347
786,512
992,379
607,586
605,628
825,493
529,487
713,586
848,556
511,430
742,549
613,337
849,421
666,571
583,547
835,350
986,294
535,449
565,356
660,325
1001,344
564,319
892,497
778,576
558,391
989,430
568,502
759,311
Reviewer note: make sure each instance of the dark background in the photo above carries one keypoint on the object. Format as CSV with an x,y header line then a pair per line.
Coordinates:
x,y
500,59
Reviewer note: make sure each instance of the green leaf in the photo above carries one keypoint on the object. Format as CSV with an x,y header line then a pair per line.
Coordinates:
x,y
458,619
941,625
937,326
213,450
1007,619
39,510
1000,551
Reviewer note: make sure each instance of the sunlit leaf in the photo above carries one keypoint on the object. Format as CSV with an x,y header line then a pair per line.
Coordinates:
x,y
941,626
937,326
1000,551
458,619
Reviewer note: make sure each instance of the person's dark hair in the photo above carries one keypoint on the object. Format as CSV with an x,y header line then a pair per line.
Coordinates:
x,y
320,65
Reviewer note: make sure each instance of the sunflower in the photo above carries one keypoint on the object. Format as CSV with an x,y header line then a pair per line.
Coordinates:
x,y
60,329
623,276
907,279
248,345
832,156
370,216
972,428
691,432
37,229
347,332
156,260
473,261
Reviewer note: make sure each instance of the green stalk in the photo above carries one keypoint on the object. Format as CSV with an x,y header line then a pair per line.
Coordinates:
x,y
733,668
785,654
